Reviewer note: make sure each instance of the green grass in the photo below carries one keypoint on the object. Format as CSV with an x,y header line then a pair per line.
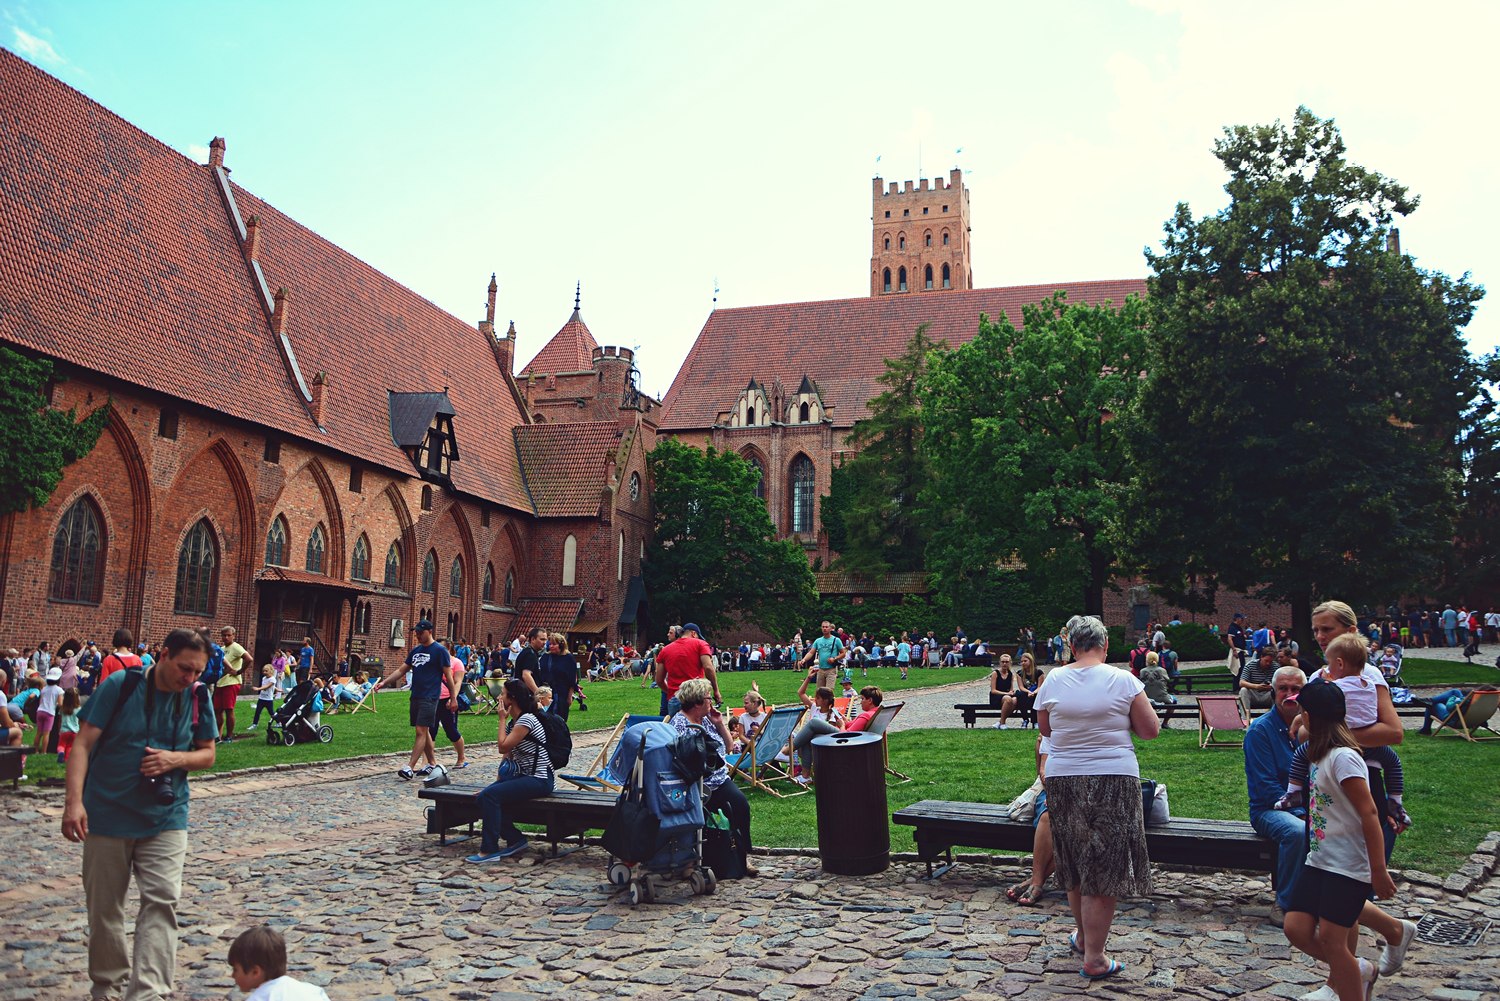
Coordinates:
x,y
1449,791
1417,671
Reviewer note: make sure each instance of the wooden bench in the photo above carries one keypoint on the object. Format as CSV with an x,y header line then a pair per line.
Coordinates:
x,y
983,710
1218,681
11,761
563,813
1219,844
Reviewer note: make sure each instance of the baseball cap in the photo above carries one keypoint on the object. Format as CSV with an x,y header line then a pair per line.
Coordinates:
x,y
54,674
424,624
695,628
1321,700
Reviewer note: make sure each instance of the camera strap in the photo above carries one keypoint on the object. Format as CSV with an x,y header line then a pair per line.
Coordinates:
x,y
150,702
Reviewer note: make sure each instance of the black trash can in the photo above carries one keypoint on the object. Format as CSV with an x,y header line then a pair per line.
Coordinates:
x,y
854,832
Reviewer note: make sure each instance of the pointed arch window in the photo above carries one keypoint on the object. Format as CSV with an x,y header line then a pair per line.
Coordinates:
x,y
393,565
901,242
927,278
947,277
197,571
276,543
887,243
429,573
760,475
570,562
487,592
510,588
803,487
945,238
78,554
456,578
804,414
927,239
886,277
426,498
317,547
901,280
359,563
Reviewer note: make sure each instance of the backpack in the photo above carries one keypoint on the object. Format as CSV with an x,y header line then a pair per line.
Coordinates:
x,y
215,668
556,737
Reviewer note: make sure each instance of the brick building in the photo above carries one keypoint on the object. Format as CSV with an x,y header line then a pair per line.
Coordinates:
x,y
296,443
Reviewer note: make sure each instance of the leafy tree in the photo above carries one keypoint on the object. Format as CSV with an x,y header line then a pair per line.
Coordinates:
x,y
1296,436
877,524
1474,561
715,557
36,441
1024,446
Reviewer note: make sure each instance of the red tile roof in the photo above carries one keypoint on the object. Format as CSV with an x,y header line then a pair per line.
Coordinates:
x,y
841,344
118,255
570,350
564,465
555,616
289,576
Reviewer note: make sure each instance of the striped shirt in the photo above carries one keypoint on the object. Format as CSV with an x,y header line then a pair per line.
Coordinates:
x,y
530,755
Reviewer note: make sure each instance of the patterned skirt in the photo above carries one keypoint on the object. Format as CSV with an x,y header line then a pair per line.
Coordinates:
x,y
1099,835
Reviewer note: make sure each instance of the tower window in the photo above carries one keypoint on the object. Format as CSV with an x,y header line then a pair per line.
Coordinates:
x,y
905,212
484,518
356,479
272,452
945,208
887,243
945,239
901,276
887,277
426,498
901,243
887,213
947,277
924,210
926,239
927,278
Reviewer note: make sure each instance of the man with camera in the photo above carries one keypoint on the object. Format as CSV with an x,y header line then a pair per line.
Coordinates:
x,y
129,806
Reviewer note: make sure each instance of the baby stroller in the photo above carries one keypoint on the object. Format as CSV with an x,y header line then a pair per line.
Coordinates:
x,y
644,756
292,723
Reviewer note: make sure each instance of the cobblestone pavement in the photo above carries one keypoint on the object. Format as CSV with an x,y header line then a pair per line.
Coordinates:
x,y
373,909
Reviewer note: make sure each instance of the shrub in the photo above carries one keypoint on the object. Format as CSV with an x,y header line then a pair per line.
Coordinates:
x,y
1195,642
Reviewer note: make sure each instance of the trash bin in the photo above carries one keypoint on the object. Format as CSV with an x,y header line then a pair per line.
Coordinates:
x,y
854,832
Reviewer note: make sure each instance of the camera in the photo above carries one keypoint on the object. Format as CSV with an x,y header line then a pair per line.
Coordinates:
x,y
159,788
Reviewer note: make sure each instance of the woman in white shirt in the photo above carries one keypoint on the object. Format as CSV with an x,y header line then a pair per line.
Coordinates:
x,y
1088,714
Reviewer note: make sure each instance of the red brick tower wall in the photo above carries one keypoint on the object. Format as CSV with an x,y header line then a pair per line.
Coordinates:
x,y
909,225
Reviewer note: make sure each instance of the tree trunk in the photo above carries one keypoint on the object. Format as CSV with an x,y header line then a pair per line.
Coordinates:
x,y
1301,605
1093,591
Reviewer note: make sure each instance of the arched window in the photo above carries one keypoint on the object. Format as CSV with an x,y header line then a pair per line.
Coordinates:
x,y
487,591
802,414
429,573
926,239
620,558
947,277
276,543
901,280
927,278
456,578
803,488
887,279
510,588
570,562
887,243
317,544
359,563
945,238
393,565
78,554
197,571
426,498
901,242
760,476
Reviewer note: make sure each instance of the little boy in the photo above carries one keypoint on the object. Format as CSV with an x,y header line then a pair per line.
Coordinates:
x,y
848,692
1346,666
265,694
258,961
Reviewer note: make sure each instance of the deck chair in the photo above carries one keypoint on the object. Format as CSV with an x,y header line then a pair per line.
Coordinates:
x,y
879,723
756,764
841,706
598,776
1219,713
1472,715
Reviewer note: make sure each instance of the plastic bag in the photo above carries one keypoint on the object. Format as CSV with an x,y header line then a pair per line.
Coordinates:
x,y
1023,808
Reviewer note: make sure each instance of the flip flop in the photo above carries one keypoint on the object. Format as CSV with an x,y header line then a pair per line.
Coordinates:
x,y
1073,943
1015,892
1030,896
1115,966
464,765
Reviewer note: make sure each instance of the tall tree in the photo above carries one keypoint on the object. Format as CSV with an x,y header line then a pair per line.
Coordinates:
x,y
36,441
1297,436
873,511
1474,560
715,557
1024,445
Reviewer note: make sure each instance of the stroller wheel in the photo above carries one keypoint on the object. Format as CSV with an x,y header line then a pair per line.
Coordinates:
x,y
619,873
710,881
638,894
288,738
325,734
697,882
273,737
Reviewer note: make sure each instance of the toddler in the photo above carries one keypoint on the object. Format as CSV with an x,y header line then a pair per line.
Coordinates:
x,y
257,960
46,708
265,694
1390,664
1345,670
67,724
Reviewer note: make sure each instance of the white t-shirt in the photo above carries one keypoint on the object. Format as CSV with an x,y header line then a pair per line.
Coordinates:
x,y
1089,713
1361,695
753,722
51,696
287,989
1338,842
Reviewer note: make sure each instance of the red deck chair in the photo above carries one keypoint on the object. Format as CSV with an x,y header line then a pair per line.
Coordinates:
x,y
1219,712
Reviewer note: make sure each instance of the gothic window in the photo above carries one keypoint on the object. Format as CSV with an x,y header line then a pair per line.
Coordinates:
x,y
197,571
510,588
802,413
570,562
947,277
78,554
456,578
429,573
635,478
901,242
620,558
945,238
927,278
487,592
276,543
359,563
927,239
760,476
803,487
393,565
317,545
887,243
426,498
887,278
901,275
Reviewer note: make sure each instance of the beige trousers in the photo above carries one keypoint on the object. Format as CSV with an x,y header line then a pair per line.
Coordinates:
x,y
107,867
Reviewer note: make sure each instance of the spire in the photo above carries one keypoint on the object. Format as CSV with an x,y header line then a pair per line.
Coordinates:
x,y
577,298
489,311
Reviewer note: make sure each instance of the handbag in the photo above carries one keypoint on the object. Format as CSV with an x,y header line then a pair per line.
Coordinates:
x,y
1023,808
632,832
721,848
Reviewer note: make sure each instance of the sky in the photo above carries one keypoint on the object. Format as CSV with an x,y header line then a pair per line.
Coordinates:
x,y
656,152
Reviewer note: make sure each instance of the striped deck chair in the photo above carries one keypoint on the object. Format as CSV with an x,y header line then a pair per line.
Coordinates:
x,y
1219,713
756,764
599,775
1472,715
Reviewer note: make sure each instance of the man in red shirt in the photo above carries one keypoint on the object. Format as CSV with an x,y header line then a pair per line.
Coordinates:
x,y
686,657
121,658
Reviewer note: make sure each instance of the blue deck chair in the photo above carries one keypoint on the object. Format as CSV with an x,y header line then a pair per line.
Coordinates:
x,y
756,764
601,775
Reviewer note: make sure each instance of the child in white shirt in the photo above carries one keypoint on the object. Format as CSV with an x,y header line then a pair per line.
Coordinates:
x,y
265,694
257,960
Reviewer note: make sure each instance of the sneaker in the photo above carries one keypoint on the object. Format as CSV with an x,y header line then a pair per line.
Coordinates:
x,y
407,773
999,726
801,780
425,771
1324,993
1368,975
1393,957
251,727
484,857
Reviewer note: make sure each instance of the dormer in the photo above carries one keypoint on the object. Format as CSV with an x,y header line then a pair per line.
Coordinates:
x,y
422,427
753,409
805,406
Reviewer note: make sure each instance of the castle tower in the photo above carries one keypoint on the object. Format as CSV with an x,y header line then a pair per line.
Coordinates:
x,y
921,232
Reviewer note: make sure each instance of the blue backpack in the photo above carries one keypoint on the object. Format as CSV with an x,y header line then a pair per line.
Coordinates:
x,y
215,669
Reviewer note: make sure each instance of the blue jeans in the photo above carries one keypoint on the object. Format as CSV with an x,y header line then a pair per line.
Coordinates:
x,y
1452,633
670,707
1433,713
492,800
1289,833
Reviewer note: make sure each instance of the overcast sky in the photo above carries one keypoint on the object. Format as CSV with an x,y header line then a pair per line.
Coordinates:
x,y
654,150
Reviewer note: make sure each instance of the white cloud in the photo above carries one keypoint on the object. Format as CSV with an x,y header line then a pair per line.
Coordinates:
x,y
36,48
197,152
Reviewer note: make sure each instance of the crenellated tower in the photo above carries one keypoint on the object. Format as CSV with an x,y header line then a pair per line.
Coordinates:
x,y
920,240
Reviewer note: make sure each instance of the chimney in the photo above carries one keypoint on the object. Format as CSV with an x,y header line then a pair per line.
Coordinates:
x,y
505,348
216,153
489,309
1393,241
278,315
319,391
252,238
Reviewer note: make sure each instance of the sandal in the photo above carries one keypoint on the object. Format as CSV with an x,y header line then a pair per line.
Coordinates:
x,y
1024,892
1029,897
1114,967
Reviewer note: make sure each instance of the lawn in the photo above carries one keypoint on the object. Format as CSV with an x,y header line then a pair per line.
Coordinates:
x,y
1417,672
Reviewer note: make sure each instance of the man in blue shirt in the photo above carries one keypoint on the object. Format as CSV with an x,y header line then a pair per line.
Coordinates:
x,y
305,659
129,806
829,650
428,662
1268,758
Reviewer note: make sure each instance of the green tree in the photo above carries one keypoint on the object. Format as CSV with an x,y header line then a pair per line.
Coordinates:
x,y
1474,562
715,558
1297,435
36,441
1024,445
876,524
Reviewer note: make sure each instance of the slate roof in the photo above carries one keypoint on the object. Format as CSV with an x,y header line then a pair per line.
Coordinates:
x,y
570,350
412,414
564,465
841,344
118,256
